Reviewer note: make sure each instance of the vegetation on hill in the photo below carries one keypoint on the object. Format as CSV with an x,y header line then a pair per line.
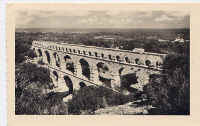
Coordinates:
x,y
31,92
91,98
121,38
23,47
171,94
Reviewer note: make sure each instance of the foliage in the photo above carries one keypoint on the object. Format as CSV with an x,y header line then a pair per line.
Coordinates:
x,y
31,73
152,46
31,53
126,39
171,95
22,47
31,104
92,98
31,87
128,79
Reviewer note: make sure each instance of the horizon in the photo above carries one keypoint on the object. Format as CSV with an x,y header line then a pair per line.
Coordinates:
x,y
97,28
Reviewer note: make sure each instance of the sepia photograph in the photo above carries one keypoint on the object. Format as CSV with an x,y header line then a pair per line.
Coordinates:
x,y
102,60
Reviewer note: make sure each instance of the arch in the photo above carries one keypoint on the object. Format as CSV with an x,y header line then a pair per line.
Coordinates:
x,y
55,75
74,50
126,80
148,63
90,54
158,64
120,70
137,61
69,63
48,57
110,57
102,55
102,67
70,67
40,52
127,59
70,50
82,84
85,68
34,51
96,54
118,58
69,84
57,59
106,81
67,57
84,52
104,74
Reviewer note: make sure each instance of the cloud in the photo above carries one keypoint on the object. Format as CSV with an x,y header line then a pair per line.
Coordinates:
x,y
101,19
163,18
177,13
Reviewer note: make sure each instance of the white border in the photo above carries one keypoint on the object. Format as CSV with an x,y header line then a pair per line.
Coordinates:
x,y
3,97
3,101
103,1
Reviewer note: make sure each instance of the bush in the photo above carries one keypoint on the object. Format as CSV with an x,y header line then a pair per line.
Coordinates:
x,y
31,73
92,98
23,42
172,94
32,103
31,53
31,83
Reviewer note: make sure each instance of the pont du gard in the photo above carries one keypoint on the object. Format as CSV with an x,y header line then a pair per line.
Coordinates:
x,y
73,66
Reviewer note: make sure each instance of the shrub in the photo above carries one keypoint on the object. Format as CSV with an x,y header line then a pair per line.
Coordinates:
x,y
31,73
91,98
30,92
23,42
32,103
172,94
84,99
31,53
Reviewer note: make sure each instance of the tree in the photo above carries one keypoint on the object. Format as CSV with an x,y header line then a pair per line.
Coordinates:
x,y
171,95
31,96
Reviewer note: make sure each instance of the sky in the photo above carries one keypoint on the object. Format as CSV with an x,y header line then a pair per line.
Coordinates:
x,y
102,18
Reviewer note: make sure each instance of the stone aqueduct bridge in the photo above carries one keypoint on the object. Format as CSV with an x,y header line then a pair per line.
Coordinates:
x,y
73,66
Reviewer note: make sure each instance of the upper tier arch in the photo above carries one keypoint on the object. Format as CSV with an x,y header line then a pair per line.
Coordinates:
x,y
142,59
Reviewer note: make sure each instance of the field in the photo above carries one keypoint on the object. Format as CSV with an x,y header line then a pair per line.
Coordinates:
x,y
126,39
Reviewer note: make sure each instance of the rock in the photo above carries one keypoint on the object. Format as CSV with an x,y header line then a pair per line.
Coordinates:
x,y
127,109
66,99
